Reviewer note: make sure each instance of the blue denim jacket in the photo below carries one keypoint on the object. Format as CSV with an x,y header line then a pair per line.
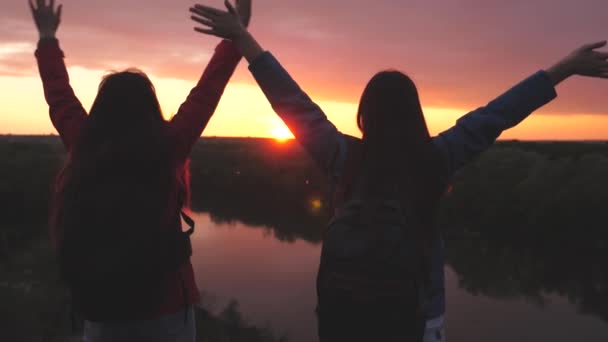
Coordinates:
x,y
470,136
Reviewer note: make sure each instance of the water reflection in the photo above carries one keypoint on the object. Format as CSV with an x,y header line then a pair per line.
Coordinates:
x,y
532,270
492,293
273,281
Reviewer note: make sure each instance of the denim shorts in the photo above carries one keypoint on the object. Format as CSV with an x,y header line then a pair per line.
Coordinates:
x,y
435,330
176,327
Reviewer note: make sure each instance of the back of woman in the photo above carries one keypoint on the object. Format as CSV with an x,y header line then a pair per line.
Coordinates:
x,y
377,248
115,221
117,204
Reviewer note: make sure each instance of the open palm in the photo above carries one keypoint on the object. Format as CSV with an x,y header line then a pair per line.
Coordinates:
x,y
46,17
228,24
587,61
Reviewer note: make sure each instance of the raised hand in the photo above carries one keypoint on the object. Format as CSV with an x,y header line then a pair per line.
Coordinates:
x,y
46,17
229,24
584,61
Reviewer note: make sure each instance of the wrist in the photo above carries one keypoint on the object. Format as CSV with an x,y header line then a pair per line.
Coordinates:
x,y
47,35
248,46
560,71
240,36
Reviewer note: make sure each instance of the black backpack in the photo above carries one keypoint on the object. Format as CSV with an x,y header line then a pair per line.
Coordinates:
x,y
117,261
367,282
367,245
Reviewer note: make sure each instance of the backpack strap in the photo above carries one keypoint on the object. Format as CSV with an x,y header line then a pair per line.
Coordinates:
x,y
189,221
341,184
187,250
184,247
179,244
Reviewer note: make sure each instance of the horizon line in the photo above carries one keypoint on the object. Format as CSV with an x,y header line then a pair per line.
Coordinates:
x,y
4,135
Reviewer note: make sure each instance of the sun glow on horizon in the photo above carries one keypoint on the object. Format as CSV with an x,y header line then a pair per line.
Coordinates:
x,y
245,112
281,133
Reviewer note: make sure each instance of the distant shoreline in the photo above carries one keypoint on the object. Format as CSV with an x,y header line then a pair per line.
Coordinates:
x,y
30,136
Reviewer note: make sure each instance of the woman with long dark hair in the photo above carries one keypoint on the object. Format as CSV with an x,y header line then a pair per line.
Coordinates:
x,y
378,278
116,215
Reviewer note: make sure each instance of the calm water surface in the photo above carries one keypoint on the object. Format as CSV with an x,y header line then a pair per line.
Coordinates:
x,y
274,284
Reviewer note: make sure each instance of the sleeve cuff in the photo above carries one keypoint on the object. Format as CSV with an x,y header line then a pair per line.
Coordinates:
x,y
48,46
46,41
261,62
227,48
544,84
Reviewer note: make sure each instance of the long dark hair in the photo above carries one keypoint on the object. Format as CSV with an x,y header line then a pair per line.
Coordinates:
x,y
398,156
121,167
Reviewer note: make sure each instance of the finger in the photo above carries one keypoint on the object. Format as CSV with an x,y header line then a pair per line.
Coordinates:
x,y
203,21
196,11
209,9
229,7
205,13
602,55
598,73
594,46
205,31
209,32
199,11
204,16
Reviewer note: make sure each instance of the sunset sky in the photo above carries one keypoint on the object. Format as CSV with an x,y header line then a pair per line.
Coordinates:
x,y
461,53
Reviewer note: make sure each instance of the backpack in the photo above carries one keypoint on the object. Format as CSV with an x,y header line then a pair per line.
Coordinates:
x,y
368,250
116,262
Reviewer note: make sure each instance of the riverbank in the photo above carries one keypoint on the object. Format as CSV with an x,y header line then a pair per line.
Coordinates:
x,y
35,305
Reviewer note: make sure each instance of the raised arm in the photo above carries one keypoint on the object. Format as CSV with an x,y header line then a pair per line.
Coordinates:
x,y
194,114
66,111
304,118
478,130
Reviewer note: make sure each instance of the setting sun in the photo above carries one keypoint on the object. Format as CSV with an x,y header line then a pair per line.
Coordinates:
x,y
281,133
